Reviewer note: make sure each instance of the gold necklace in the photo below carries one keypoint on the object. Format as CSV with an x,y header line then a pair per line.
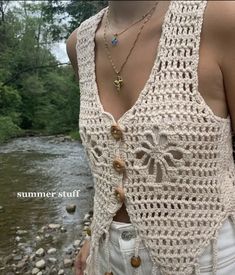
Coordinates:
x,y
114,40
118,82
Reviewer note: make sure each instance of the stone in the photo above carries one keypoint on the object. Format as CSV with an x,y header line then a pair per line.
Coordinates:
x,y
42,230
35,271
32,257
40,273
21,232
1,209
38,238
40,264
52,260
86,218
54,226
68,262
76,243
17,258
51,251
69,251
40,252
21,264
61,272
63,230
53,271
70,208
17,238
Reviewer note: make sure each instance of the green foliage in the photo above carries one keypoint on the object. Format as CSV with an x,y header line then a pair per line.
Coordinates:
x,y
66,16
75,135
10,102
36,94
8,129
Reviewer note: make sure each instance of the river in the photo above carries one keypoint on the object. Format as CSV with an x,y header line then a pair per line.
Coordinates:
x,y
42,164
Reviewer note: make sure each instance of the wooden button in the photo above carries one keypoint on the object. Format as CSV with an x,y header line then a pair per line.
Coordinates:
x,y
119,165
116,132
135,261
119,192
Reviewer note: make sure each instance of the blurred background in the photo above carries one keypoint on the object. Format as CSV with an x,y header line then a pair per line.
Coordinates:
x,y
40,148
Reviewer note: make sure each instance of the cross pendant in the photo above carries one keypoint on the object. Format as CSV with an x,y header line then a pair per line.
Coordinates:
x,y
118,83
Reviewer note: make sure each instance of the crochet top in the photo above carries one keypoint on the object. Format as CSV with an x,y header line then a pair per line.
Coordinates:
x,y
177,154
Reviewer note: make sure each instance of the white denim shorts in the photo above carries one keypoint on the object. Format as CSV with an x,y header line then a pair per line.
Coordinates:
x,y
122,249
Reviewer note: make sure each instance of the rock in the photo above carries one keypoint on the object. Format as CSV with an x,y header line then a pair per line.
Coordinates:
x,y
51,251
89,187
40,273
68,262
76,243
86,218
87,223
21,264
17,258
70,208
17,238
69,251
21,232
40,252
22,245
53,271
42,230
54,226
52,260
63,230
38,238
32,257
61,272
40,264
1,209
35,271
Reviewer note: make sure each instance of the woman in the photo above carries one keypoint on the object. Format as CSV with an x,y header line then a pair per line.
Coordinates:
x,y
157,128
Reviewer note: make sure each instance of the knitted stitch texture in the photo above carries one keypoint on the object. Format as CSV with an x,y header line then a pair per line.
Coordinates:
x,y
180,184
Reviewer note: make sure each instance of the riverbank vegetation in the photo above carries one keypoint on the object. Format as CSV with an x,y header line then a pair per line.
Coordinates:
x,y
38,93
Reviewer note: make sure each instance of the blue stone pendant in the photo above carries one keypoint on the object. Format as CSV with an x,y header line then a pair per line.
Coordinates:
x,y
114,40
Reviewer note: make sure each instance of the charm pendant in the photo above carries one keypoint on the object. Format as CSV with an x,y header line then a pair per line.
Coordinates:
x,y
114,40
118,83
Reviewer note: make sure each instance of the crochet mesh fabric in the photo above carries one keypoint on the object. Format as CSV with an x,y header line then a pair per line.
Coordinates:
x,y
178,155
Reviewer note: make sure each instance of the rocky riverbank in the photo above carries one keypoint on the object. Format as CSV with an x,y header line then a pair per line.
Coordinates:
x,y
43,258
42,235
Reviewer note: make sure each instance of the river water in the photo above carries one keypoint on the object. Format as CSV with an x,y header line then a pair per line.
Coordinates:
x,y
42,164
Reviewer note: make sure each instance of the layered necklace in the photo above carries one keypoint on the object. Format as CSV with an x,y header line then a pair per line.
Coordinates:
x,y
118,82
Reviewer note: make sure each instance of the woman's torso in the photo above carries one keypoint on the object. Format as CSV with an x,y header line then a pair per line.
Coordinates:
x,y
138,67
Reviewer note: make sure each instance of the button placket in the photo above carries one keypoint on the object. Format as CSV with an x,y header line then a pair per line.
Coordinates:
x,y
118,162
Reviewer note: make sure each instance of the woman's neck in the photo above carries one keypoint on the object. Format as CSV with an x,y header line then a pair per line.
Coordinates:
x,y
123,13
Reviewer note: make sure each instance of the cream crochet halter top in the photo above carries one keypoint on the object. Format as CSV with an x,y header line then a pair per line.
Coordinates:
x,y
177,154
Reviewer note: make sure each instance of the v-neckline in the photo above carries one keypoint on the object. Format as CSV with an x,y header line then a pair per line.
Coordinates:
x,y
149,81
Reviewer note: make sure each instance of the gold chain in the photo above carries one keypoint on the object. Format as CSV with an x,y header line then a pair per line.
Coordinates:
x,y
114,40
118,82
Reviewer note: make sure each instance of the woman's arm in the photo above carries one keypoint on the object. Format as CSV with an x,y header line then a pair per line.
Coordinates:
x,y
71,51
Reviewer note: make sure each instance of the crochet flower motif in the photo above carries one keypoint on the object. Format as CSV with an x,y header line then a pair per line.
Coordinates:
x,y
158,155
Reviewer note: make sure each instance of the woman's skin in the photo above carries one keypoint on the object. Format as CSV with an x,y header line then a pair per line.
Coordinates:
x,y
216,71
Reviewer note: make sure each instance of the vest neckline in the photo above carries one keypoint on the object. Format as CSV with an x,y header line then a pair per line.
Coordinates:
x,y
148,83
